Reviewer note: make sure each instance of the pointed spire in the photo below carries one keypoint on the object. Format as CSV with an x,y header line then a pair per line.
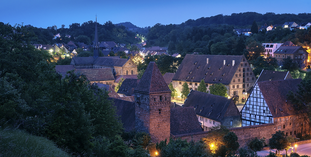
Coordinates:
x,y
95,41
152,81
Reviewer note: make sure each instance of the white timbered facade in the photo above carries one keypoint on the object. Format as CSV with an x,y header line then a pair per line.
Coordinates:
x,y
256,110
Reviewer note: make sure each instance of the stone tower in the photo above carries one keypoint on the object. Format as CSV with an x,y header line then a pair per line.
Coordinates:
x,y
152,104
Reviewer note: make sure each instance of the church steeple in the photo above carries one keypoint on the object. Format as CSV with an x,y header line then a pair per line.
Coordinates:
x,y
95,44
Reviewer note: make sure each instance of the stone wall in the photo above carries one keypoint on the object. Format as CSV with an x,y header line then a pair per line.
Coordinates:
x,y
244,134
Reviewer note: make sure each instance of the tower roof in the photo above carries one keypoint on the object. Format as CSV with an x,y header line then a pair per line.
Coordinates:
x,y
152,81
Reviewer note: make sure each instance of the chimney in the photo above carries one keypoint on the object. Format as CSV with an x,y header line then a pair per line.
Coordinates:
x,y
206,60
233,62
224,62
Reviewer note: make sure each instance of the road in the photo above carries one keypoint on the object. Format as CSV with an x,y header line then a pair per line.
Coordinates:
x,y
303,149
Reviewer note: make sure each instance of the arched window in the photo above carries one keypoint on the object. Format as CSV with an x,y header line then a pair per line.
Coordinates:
x,y
132,73
127,72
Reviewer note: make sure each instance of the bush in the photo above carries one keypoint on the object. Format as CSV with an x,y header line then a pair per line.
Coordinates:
x,y
19,143
294,155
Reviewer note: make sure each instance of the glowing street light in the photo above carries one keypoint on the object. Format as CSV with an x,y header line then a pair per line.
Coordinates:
x,y
212,145
156,153
296,147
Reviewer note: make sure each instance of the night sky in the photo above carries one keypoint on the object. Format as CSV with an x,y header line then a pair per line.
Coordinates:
x,y
44,13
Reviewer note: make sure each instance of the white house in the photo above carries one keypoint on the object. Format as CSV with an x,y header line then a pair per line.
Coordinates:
x,y
305,26
270,48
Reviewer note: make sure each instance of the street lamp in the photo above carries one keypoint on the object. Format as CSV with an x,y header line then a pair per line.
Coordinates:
x,y
156,153
296,147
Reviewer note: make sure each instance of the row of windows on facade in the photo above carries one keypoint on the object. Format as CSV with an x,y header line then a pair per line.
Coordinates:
x,y
247,79
244,74
268,50
243,86
206,120
257,117
195,84
296,57
247,69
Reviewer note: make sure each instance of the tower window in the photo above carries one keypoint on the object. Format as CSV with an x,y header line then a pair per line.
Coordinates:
x,y
154,99
160,111
160,97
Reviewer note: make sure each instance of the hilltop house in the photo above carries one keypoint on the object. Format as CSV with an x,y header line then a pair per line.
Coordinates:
x,y
296,53
290,25
232,71
270,48
213,110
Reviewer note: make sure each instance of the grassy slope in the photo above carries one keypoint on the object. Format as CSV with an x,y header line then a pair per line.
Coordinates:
x,y
15,143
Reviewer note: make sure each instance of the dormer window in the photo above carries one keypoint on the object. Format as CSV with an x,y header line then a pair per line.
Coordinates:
x,y
195,63
190,72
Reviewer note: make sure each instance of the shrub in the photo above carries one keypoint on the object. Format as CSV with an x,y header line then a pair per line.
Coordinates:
x,y
19,143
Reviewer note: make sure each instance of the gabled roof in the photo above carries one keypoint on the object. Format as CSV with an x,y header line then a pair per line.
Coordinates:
x,y
183,120
102,61
104,74
194,68
126,111
168,77
275,95
110,61
207,105
83,60
288,43
288,49
63,69
71,44
270,75
128,86
125,77
152,81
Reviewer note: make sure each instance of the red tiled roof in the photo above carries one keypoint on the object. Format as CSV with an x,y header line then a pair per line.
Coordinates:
x,y
128,86
168,77
183,120
209,105
275,95
194,68
125,77
103,74
270,75
288,49
126,111
152,81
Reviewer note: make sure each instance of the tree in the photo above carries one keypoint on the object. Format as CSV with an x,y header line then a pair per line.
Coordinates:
x,y
202,86
214,140
174,92
218,89
111,53
256,144
181,148
289,64
279,141
119,84
184,90
117,147
254,49
231,142
83,39
254,28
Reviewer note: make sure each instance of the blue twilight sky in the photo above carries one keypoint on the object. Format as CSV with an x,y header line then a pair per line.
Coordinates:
x,y
44,13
